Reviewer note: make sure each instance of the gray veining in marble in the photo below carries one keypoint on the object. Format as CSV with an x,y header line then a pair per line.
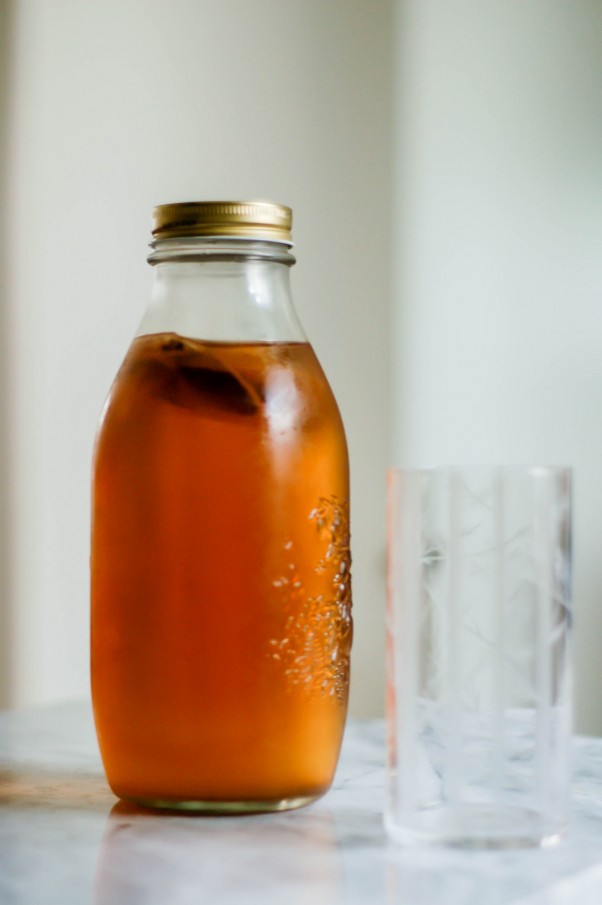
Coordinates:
x,y
65,839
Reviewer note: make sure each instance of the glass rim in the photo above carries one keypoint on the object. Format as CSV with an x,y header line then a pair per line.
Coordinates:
x,y
532,470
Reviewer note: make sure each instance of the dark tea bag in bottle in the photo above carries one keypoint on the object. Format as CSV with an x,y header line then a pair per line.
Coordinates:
x,y
190,375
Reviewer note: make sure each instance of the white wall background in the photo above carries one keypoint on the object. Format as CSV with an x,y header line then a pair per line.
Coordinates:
x,y
120,105
472,127
498,336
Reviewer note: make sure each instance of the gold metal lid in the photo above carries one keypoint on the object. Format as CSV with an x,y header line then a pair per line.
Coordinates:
x,y
245,219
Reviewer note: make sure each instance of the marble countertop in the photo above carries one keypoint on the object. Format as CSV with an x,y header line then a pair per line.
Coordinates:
x,y
65,839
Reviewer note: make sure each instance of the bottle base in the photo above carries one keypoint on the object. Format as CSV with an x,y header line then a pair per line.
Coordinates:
x,y
224,808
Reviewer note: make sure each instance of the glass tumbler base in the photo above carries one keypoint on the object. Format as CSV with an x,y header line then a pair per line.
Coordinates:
x,y
476,826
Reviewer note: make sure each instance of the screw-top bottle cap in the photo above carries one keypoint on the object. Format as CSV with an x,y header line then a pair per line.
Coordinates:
x,y
245,219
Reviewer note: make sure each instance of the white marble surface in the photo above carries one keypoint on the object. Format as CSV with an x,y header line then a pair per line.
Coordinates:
x,y
64,838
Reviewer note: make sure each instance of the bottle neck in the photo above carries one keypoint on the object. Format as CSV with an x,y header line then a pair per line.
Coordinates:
x,y
225,290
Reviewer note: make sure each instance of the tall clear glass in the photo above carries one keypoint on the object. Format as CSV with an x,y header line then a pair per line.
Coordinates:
x,y
479,673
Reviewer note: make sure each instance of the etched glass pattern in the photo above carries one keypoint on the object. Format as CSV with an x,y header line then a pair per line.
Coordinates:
x,y
479,680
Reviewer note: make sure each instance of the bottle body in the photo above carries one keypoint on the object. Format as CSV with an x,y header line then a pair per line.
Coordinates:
x,y
221,623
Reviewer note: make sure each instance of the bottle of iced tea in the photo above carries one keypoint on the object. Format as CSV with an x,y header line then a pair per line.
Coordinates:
x,y
221,624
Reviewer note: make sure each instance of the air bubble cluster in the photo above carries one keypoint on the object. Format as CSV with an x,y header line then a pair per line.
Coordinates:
x,y
315,646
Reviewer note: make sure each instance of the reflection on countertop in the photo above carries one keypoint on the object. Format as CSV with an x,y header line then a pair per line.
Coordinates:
x,y
65,839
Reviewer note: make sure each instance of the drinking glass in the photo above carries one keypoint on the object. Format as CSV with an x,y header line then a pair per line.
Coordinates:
x,y
479,674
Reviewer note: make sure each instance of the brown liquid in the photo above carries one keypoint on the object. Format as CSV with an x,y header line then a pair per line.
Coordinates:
x,y
221,622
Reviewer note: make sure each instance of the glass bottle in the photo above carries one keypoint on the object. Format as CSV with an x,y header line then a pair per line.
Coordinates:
x,y
221,624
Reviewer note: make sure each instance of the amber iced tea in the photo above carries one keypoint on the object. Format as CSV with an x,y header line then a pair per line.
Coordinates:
x,y
221,622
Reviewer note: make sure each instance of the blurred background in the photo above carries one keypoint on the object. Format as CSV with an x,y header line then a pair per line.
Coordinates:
x,y
443,159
